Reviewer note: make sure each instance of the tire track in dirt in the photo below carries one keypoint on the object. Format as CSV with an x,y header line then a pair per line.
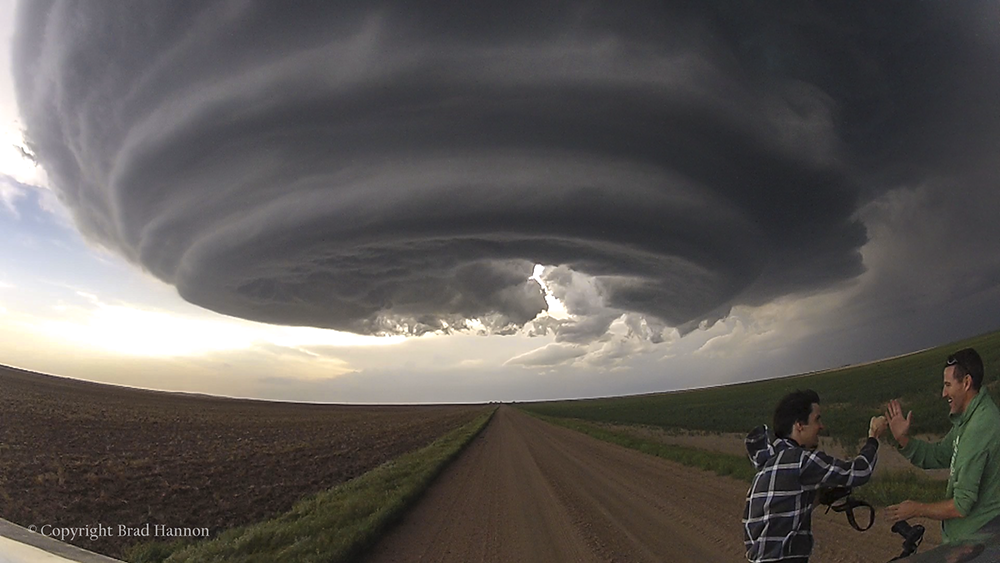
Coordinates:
x,y
529,491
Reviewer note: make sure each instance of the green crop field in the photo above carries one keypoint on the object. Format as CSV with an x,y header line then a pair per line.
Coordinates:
x,y
850,397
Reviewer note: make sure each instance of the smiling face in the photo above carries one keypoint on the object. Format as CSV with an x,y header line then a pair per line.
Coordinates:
x,y
807,435
956,390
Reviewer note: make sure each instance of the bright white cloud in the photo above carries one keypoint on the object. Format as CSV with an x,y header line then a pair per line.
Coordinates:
x,y
309,336
555,307
19,173
15,159
138,332
549,355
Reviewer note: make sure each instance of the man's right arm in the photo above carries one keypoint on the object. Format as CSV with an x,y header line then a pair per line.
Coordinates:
x,y
926,455
920,453
820,469
823,470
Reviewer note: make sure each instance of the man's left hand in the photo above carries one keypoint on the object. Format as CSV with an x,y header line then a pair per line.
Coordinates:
x,y
902,511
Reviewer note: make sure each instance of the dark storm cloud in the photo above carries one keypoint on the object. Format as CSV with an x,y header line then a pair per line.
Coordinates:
x,y
384,168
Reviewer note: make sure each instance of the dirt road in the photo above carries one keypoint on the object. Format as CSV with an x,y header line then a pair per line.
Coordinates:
x,y
526,491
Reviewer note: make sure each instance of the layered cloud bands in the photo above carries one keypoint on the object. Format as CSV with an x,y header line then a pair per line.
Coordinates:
x,y
380,170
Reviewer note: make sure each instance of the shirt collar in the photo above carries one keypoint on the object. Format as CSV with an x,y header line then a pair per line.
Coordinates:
x,y
961,418
789,442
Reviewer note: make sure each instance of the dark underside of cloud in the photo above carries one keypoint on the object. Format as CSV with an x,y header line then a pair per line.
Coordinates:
x,y
383,168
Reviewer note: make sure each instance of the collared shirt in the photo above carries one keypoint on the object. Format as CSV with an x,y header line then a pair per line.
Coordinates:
x,y
971,450
777,519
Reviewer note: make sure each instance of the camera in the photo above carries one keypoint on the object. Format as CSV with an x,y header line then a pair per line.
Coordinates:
x,y
912,536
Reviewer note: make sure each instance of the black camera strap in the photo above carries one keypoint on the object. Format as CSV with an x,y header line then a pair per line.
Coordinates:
x,y
848,505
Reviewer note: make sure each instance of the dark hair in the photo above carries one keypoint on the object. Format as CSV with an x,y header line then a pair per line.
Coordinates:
x,y
793,407
967,362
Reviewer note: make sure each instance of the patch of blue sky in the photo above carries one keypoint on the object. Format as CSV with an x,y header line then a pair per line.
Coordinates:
x,y
45,258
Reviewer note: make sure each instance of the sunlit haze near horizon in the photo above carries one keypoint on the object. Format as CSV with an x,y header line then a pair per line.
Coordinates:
x,y
378,204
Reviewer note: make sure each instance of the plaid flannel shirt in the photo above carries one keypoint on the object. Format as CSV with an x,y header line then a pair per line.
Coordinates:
x,y
777,520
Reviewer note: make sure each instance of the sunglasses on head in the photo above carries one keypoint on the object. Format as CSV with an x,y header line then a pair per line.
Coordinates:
x,y
953,361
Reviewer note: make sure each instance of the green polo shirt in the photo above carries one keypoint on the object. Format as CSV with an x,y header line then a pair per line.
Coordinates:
x,y
971,450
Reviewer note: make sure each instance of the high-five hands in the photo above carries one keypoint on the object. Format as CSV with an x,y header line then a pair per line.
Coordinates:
x,y
877,426
899,424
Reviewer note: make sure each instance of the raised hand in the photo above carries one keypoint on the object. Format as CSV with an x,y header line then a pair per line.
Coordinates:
x,y
899,424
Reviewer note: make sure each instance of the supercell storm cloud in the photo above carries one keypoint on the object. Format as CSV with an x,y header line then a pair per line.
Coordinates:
x,y
386,168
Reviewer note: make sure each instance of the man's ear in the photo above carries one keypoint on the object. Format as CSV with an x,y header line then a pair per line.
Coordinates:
x,y
967,382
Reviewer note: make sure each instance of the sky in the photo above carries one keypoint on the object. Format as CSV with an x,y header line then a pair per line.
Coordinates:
x,y
373,202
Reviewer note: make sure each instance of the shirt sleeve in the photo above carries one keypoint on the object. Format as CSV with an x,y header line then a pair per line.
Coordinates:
x,y
929,456
820,469
966,491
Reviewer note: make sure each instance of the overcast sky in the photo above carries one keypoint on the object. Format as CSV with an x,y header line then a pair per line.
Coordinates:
x,y
383,203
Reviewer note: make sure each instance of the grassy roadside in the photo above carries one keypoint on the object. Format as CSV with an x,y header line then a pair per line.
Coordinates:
x,y
883,490
332,526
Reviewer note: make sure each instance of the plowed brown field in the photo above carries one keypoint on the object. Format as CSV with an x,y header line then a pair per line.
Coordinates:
x,y
528,491
74,453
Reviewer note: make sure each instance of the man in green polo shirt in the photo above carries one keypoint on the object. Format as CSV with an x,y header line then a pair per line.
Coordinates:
x,y
971,450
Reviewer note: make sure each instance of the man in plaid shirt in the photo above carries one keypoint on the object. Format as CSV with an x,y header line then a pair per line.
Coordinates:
x,y
777,520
